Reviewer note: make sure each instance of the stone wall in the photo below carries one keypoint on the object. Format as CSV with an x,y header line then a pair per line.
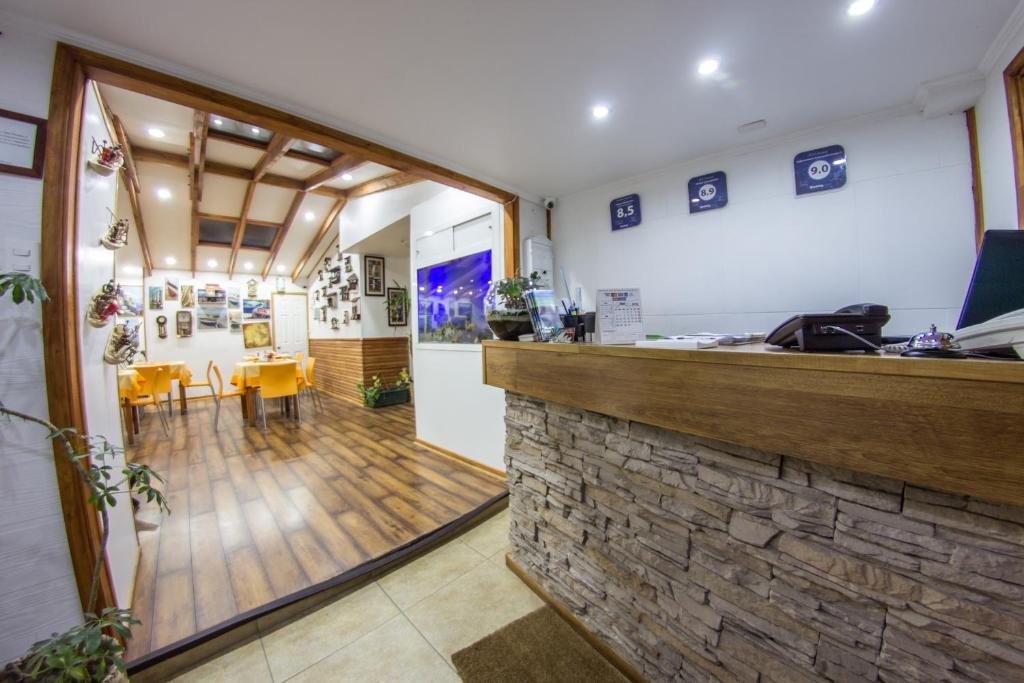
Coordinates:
x,y
698,560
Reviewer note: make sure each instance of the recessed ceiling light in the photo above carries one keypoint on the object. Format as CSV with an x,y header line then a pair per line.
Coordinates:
x,y
255,130
707,67
170,260
156,133
310,215
280,268
163,193
346,176
212,263
859,7
600,111
247,265
218,122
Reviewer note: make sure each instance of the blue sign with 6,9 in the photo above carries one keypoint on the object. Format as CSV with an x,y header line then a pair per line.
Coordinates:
x,y
708,192
625,211
819,170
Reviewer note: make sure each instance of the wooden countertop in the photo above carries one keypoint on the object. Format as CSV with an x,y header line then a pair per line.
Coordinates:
x,y
955,425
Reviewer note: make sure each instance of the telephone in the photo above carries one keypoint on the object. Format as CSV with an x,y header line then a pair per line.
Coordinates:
x,y
857,327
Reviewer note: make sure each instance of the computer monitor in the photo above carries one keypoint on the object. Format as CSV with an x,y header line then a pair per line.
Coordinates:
x,y
997,286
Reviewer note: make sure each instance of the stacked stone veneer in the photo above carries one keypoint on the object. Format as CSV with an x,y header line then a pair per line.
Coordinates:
x,y
699,560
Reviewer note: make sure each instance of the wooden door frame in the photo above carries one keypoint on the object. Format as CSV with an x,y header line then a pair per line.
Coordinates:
x,y
73,68
1013,79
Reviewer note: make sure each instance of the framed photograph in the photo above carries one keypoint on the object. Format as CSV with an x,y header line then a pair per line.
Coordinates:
x,y
256,309
398,315
171,289
212,317
188,296
22,144
131,297
373,275
211,294
156,298
183,323
256,335
234,297
235,321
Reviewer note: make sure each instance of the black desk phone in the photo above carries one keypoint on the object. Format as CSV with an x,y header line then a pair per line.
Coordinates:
x,y
845,330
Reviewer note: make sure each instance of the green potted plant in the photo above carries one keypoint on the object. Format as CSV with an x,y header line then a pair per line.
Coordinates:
x,y
505,307
93,650
378,394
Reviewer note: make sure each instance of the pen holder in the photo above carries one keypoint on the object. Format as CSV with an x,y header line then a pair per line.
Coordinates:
x,y
589,324
575,323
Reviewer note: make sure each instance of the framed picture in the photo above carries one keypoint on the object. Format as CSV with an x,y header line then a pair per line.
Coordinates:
x,y
131,297
156,298
256,335
211,294
235,321
256,309
22,144
188,296
398,315
373,275
234,297
183,323
171,289
212,317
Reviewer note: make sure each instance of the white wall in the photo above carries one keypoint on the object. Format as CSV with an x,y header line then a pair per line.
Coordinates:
x,y
994,145
454,409
900,233
39,595
223,347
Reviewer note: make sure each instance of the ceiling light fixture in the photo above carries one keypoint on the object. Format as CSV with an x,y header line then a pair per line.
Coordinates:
x,y
600,111
164,194
280,268
707,67
218,122
170,260
247,265
310,215
156,133
346,176
255,130
212,263
859,7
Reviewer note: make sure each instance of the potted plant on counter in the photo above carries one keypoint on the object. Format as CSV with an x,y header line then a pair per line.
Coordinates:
x,y
377,394
92,650
505,308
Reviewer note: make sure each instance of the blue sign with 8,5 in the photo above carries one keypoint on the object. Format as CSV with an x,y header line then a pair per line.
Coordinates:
x,y
625,211
819,170
708,192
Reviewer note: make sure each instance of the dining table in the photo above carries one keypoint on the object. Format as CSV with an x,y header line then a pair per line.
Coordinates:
x,y
131,385
246,378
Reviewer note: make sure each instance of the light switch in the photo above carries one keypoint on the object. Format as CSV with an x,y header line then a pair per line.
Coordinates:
x,y
21,252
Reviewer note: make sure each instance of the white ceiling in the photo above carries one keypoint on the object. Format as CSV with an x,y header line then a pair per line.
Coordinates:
x,y
503,90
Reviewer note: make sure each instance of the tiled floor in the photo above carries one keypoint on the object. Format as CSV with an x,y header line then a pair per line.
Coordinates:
x,y
403,627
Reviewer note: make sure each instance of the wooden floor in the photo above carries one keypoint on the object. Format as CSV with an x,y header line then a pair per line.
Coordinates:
x,y
256,517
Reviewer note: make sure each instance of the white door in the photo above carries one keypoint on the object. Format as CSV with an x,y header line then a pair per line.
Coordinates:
x,y
290,324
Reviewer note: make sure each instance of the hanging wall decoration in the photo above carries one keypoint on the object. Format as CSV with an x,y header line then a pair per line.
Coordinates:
x,y
345,293
327,262
104,305
256,335
212,317
708,191
132,301
161,326
334,323
348,264
256,309
235,321
820,170
122,344
373,271
332,301
105,158
397,307
183,323
280,284
251,288
212,295
355,312
234,297
22,144
188,296
625,211
335,276
115,235
171,289
156,298
320,275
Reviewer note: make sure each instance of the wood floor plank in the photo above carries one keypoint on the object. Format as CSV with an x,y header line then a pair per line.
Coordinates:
x,y
234,532
200,501
145,594
337,542
175,553
367,535
285,574
245,485
249,582
321,489
215,601
410,516
285,514
318,564
174,609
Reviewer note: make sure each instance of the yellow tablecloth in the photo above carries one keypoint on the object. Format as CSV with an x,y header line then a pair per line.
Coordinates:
x,y
246,374
130,383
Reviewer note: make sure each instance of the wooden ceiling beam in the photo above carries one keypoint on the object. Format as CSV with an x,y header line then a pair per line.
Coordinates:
x,y
194,202
328,220
240,227
289,218
133,187
278,147
197,152
343,164
392,181
221,136
231,171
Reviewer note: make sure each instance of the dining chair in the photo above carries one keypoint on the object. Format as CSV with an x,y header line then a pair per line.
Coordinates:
x,y
217,388
184,386
157,381
277,381
299,376
310,383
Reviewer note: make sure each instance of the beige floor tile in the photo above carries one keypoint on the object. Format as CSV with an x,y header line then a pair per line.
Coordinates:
x,y
304,642
247,663
420,578
394,652
489,537
472,606
498,558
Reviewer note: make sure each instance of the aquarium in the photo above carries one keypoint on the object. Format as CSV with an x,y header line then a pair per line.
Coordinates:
x,y
451,300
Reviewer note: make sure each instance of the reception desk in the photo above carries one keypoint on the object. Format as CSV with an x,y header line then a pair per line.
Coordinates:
x,y
750,512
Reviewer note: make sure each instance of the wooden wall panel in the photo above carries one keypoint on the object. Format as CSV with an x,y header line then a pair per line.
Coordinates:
x,y
343,363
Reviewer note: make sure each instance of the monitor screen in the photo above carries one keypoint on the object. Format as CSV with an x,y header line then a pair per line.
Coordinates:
x,y
997,286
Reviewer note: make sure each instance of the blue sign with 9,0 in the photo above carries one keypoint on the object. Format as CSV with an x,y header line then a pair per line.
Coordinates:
x,y
819,170
708,192
625,211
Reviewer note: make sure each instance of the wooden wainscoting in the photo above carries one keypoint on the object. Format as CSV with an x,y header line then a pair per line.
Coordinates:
x,y
343,363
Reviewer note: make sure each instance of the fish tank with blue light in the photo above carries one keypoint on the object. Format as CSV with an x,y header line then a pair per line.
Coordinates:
x,y
451,300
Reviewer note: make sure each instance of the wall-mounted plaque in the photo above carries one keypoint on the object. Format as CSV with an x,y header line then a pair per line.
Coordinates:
x,y
820,170
625,211
708,192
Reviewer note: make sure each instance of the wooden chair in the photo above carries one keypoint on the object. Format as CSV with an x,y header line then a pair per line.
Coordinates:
x,y
218,390
310,384
277,381
157,380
